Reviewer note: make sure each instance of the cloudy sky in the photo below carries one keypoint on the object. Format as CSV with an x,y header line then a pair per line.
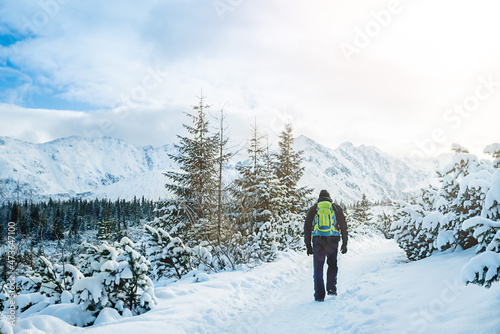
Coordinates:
x,y
410,77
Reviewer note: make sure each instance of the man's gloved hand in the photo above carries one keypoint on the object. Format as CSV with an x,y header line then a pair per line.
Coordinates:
x,y
343,250
309,250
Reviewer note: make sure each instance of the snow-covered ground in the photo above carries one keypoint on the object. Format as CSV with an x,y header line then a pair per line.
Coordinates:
x,y
379,292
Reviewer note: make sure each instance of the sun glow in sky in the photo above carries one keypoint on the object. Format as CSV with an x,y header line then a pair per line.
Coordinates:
x,y
408,77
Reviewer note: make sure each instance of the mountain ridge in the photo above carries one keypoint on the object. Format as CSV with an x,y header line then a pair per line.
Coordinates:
x,y
107,167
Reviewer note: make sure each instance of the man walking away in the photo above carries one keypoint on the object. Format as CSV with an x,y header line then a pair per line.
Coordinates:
x,y
326,222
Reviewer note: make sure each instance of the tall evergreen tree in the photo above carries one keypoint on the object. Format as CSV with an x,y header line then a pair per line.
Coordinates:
x,y
191,213
289,171
222,158
253,189
196,158
58,226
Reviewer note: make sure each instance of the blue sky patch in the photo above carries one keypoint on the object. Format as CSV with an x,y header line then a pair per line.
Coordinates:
x,y
51,101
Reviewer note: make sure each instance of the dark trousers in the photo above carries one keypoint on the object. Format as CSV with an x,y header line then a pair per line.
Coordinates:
x,y
325,247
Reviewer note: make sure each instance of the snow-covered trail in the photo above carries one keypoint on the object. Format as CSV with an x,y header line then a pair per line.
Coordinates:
x,y
378,293
291,307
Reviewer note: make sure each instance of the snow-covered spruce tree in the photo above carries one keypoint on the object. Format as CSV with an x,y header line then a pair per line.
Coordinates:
x,y
461,212
267,243
293,199
222,157
106,230
289,170
427,198
484,269
168,256
55,279
494,151
360,215
189,214
90,292
471,196
119,280
442,210
57,232
257,198
255,190
491,206
47,284
451,201
135,290
93,257
229,247
415,231
384,225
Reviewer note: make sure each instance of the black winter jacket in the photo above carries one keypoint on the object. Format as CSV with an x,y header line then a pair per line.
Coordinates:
x,y
308,225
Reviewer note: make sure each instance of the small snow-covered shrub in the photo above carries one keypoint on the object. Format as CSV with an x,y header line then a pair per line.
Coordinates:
x,y
484,269
93,257
463,212
137,287
266,241
483,229
168,256
48,284
202,257
414,231
119,280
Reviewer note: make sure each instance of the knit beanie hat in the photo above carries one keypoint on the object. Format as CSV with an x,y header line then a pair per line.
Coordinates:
x,y
324,193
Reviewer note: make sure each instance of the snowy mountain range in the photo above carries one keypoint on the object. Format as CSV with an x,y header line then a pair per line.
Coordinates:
x,y
348,172
112,168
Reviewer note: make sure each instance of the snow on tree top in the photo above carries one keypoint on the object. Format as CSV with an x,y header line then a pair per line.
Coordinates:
x,y
477,264
432,220
125,241
496,177
459,148
88,285
477,222
109,265
491,207
479,181
493,149
463,159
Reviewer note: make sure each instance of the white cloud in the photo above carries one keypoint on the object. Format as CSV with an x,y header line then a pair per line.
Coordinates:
x,y
268,59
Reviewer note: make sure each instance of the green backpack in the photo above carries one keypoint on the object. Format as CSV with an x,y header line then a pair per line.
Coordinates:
x,y
325,221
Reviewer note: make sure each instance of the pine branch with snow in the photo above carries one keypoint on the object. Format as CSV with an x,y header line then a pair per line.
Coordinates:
x,y
168,256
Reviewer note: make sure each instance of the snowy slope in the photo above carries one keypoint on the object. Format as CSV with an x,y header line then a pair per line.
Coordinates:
x,y
111,168
378,293
70,166
349,171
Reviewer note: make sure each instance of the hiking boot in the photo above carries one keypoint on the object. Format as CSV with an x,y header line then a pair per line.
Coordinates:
x,y
332,293
320,300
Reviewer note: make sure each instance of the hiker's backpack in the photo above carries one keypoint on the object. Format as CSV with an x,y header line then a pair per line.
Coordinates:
x,y
325,221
